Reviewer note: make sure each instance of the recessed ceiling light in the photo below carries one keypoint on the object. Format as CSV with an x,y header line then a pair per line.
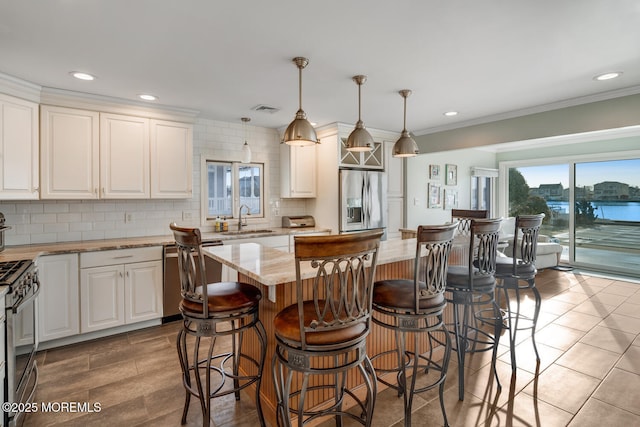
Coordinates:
x,y
451,113
82,76
148,97
608,76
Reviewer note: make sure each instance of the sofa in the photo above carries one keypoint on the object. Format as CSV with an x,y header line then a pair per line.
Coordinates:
x,y
548,252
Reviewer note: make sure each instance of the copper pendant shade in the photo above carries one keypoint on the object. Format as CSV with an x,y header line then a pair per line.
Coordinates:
x,y
300,132
405,146
360,139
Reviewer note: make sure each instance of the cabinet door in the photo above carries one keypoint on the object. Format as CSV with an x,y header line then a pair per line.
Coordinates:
x,y
101,297
171,160
58,305
143,291
124,157
298,171
19,150
395,172
69,152
373,159
395,217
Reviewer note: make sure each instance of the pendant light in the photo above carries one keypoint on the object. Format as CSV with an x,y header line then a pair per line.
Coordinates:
x,y
360,139
300,132
246,151
405,146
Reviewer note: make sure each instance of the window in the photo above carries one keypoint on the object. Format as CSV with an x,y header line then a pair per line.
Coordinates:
x,y
229,185
483,182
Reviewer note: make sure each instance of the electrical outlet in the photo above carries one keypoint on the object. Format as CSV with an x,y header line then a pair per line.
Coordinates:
x,y
186,216
416,201
128,217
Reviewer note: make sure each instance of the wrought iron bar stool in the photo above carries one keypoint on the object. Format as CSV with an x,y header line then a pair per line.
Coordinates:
x,y
211,311
415,307
471,290
518,273
324,333
464,217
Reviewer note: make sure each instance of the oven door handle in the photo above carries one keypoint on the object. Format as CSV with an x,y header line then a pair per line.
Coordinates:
x,y
23,302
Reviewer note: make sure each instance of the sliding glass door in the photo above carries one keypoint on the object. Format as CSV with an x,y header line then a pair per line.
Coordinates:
x,y
592,208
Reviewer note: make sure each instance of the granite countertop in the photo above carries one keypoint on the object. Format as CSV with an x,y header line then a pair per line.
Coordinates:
x,y
272,266
31,252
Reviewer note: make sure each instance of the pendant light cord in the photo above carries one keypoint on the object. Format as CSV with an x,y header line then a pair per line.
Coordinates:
x,y
404,124
359,101
299,87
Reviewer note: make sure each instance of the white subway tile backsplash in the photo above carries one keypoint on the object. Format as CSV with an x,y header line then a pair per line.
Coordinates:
x,y
45,221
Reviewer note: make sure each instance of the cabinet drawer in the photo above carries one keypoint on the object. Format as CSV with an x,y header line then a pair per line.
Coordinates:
x,y
120,256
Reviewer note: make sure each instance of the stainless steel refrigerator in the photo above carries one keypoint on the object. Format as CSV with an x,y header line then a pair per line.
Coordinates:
x,y
363,200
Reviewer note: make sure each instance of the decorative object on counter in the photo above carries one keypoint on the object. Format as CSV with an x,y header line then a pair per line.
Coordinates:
x,y
433,196
246,150
359,139
450,198
434,171
300,221
326,335
451,174
405,146
518,273
300,131
209,311
471,290
412,307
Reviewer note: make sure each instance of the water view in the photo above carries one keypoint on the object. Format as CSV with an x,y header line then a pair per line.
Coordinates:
x,y
613,211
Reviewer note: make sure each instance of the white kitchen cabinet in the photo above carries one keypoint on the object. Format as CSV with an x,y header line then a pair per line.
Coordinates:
x,y
395,172
395,217
120,287
373,159
19,149
124,157
58,301
298,171
69,153
171,160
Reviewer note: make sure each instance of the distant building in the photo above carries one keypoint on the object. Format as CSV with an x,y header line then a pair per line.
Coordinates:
x,y
611,190
548,191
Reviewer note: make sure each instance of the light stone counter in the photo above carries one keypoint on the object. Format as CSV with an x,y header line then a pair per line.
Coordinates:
x,y
272,267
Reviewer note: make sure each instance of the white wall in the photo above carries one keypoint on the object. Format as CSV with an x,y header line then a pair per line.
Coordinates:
x,y
418,212
51,221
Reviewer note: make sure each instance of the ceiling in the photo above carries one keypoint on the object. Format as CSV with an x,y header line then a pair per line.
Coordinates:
x,y
222,58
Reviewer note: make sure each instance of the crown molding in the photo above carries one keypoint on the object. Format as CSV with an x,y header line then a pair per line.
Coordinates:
x,y
19,88
603,96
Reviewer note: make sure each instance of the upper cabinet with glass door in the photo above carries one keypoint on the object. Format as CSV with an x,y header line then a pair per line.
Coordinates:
x,y
373,159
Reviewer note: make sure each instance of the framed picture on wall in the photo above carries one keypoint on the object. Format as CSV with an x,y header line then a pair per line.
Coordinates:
x,y
433,196
451,174
434,171
450,198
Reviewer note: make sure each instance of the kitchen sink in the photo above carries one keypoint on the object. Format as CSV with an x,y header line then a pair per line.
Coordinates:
x,y
240,232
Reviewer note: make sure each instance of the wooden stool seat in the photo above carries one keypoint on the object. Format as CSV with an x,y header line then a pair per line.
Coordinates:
x,y
225,297
400,294
287,327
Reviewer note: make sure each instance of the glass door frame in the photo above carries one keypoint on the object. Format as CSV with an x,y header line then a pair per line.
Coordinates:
x,y
570,160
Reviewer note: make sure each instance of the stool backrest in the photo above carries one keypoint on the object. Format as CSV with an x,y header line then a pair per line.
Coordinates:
x,y
342,288
483,243
432,259
191,265
464,217
525,240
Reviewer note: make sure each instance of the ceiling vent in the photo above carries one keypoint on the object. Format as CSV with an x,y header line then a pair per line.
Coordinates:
x,y
265,109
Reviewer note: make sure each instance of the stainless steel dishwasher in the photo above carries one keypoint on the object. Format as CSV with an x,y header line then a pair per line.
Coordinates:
x,y
171,292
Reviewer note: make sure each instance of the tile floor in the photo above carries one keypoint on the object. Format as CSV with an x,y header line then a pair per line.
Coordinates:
x,y
588,338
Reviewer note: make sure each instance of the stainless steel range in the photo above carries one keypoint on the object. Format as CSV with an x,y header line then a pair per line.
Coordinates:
x,y
22,336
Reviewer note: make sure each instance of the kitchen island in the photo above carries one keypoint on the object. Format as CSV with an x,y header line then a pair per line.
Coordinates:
x,y
273,272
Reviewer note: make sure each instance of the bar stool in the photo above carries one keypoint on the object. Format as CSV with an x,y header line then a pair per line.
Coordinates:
x,y
518,273
324,333
416,306
464,217
471,290
210,311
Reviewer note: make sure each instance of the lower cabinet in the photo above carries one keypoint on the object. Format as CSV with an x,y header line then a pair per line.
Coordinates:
x,y
120,287
58,309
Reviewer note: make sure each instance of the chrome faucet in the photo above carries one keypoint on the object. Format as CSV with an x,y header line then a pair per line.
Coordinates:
x,y
240,224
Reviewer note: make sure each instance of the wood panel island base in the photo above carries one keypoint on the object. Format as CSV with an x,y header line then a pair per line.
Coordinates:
x,y
273,272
